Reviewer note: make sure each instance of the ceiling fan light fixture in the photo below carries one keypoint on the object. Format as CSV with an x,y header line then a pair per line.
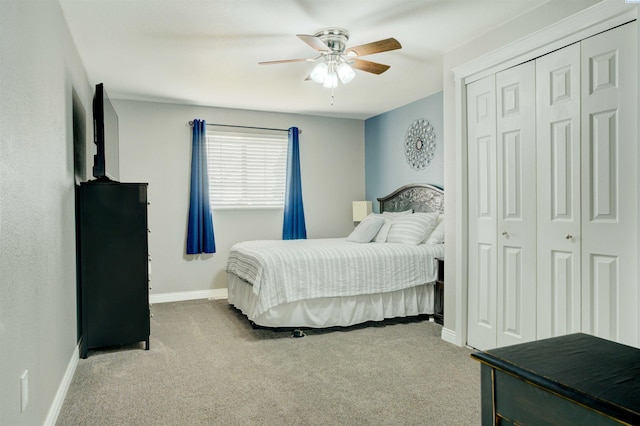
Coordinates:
x,y
319,73
346,73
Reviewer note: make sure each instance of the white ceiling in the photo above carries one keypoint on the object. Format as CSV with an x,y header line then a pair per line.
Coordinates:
x,y
200,52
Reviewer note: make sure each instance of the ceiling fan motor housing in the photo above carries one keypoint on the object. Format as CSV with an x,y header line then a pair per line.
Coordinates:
x,y
335,38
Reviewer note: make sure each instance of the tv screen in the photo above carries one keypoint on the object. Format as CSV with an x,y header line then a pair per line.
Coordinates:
x,y
106,164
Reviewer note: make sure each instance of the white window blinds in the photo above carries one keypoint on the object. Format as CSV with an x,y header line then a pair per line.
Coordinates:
x,y
246,170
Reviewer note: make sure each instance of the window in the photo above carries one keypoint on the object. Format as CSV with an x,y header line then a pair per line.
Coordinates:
x,y
246,170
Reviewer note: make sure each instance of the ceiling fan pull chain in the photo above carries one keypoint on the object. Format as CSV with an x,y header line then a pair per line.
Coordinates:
x,y
332,97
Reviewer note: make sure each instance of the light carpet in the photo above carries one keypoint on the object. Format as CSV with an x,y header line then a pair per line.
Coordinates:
x,y
208,366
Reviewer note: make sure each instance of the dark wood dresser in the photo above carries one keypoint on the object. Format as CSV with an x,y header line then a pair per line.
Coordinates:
x,y
576,379
112,264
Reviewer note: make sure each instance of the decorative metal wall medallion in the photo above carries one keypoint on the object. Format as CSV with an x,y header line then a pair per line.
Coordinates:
x,y
420,144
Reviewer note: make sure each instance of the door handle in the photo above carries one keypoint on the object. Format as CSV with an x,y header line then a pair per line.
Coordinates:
x,y
568,236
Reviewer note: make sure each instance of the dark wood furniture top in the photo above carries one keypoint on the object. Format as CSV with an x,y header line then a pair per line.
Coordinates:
x,y
599,378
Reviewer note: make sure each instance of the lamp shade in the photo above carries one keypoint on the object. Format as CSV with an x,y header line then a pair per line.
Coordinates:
x,y
319,73
346,73
361,209
331,80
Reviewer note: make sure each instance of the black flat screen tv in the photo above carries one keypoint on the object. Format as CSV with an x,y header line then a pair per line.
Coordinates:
x,y
106,161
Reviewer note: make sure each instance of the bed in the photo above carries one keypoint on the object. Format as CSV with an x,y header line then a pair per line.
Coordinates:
x,y
331,282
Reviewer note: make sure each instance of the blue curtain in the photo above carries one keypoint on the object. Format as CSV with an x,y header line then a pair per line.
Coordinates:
x,y
200,228
294,227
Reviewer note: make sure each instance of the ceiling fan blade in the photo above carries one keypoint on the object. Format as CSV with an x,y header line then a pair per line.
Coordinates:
x,y
375,47
368,66
286,61
314,42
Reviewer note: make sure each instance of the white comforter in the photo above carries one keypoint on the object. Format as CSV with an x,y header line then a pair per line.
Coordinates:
x,y
293,270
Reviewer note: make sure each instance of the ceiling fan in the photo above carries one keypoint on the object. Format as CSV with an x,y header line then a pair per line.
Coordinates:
x,y
336,61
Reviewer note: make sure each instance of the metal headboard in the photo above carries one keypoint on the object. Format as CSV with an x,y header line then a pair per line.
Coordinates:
x,y
420,197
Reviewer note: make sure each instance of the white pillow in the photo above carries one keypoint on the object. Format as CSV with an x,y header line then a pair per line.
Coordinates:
x,y
437,235
381,236
367,229
412,229
393,215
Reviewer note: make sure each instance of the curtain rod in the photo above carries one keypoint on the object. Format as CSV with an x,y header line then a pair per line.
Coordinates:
x,y
246,127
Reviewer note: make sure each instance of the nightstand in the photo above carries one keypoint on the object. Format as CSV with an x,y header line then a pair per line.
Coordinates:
x,y
438,314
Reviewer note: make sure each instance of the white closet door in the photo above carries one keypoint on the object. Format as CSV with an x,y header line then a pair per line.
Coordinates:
x,y
558,153
516,199
481,128
609,180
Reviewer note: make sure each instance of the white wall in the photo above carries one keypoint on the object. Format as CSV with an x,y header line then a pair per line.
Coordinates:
x,y
39,70
525,25
155,147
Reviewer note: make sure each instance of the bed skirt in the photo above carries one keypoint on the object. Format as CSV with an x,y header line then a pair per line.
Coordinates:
x,y
333,311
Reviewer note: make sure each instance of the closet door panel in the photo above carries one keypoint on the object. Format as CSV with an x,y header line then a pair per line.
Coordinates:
x,y
558,189
609,185
516,204
482,309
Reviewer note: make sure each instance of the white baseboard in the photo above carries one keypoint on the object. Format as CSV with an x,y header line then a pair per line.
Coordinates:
x,y
449,336
56,405
216,293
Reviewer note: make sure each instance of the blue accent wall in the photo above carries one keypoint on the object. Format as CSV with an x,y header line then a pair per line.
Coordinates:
x,y
386,167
